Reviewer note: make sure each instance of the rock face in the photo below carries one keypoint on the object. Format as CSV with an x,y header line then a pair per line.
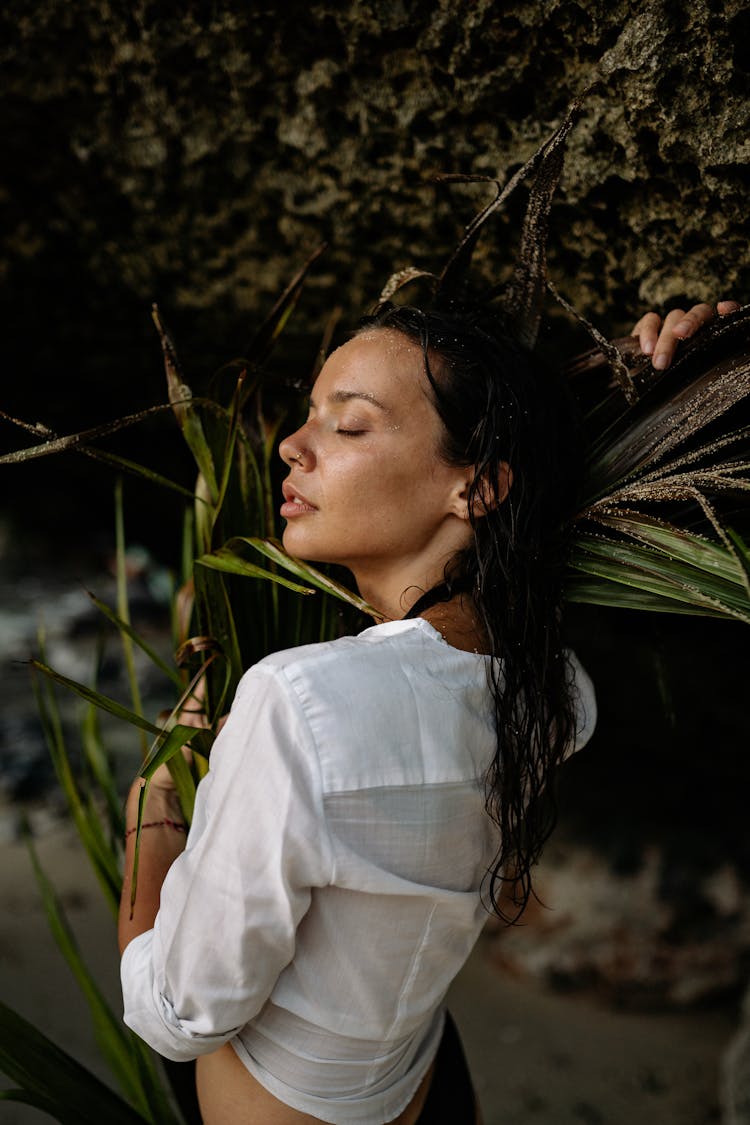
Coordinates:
x,y
196,151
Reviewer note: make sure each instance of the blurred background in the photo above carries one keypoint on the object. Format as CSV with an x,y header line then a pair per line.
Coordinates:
x,y
196,154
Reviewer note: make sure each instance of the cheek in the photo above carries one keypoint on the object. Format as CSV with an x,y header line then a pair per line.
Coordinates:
x,y
388,477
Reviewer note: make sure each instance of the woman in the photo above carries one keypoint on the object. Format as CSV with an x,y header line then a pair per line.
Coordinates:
x,y
334,876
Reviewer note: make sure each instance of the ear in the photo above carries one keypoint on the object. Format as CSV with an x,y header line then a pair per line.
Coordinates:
x,y
486,498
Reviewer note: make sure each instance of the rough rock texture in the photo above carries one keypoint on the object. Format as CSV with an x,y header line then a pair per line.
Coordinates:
x,y
197,150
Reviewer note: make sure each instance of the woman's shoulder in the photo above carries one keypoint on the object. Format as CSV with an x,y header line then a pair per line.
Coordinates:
x,y
393,705
387,642
378,667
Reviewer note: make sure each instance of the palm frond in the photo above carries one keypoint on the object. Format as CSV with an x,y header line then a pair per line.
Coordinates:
x,y
661,423
606,350
404,277
522,299
673,450
265,338
657,580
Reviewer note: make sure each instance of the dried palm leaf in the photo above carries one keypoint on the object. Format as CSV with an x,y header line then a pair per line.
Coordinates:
x,y
522,298
606,349
680,405
401,278
672,446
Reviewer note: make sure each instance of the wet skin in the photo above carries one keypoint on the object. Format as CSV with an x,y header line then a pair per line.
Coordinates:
x,y
367,487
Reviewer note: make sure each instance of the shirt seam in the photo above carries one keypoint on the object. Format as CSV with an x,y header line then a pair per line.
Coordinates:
x,y
468,782
289,690
406,989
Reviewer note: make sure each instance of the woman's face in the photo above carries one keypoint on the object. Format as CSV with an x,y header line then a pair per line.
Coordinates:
x,y
367,487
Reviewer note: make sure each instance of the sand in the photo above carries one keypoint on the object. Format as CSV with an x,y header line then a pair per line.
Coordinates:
x,y
539,1058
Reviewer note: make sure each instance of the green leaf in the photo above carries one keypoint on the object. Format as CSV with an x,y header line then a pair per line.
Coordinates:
x,y
180,397
192,431
135,469
98,762
676,543
27,1098
272,549
216,620
86,819
742,555
169,751
54,1081
122,602
224,559
177,736
113,1038
116,709
99,700
127,629
595,591
229,447
657,575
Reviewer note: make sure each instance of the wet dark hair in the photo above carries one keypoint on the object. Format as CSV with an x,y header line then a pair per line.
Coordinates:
x,y
498,404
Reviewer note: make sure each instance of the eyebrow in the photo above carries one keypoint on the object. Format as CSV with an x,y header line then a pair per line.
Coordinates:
x,y
346,396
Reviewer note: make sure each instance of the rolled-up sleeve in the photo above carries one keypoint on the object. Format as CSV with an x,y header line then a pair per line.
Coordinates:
x,y
231,903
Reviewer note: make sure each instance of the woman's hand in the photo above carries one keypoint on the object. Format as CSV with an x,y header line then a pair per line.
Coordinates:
x,y
660,338
163,838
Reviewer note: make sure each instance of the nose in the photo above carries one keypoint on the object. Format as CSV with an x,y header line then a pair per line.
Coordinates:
x,y
293,450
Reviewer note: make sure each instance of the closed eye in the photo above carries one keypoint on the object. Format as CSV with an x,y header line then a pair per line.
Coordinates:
x,y
351,433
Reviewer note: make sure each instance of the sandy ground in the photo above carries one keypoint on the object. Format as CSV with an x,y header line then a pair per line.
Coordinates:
x,y
538,1058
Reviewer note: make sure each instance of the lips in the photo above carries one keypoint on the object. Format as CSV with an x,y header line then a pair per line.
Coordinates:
x,y
295,504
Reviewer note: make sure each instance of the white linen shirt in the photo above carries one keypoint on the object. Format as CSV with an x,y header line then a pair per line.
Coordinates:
x,y
329,890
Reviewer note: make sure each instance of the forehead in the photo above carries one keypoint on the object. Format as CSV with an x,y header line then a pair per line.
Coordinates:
x,y
379,362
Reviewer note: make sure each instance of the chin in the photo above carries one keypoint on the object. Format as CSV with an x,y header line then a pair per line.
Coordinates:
x,y
295,545
301,547
287,542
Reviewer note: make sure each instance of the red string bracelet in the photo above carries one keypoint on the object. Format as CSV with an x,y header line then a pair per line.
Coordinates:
x,y
176,824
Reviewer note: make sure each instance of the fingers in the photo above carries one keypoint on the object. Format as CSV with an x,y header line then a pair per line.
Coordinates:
x,y
659,339
647,330
678,325
688,323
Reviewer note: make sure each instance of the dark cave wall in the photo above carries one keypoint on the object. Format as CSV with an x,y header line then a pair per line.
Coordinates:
x,y
199,149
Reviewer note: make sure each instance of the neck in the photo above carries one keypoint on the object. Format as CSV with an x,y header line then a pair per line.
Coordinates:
x,y
454,617
394,594
457,622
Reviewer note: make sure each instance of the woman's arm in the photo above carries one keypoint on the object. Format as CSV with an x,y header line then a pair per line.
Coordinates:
x,y
161,842
215,924
163,835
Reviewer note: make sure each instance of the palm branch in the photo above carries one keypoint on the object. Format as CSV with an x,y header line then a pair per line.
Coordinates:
x,y
660,470
661,452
